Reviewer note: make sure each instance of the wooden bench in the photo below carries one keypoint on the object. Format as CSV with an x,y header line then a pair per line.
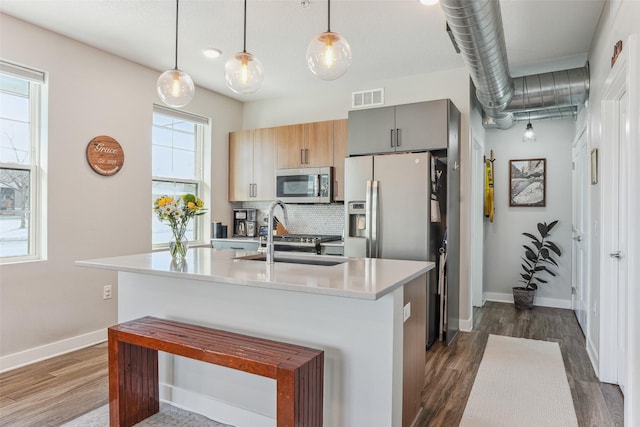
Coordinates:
x,y
133,368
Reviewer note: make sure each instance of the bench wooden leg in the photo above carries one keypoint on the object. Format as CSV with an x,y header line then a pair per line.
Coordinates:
x,y
299,394
133,383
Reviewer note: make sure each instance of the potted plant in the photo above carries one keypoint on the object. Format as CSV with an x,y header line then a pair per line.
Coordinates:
x,y
538,258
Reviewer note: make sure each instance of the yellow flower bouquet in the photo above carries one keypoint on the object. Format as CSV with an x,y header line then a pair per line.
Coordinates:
x,y
178,211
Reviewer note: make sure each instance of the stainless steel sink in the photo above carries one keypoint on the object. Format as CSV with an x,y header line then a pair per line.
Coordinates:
x,y
289,259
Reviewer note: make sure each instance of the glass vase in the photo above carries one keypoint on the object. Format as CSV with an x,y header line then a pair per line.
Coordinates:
x,y
178,247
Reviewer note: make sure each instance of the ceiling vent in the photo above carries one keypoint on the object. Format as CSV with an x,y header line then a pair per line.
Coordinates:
x,y
367,98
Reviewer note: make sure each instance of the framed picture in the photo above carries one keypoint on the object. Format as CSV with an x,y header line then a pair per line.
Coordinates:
x,y
528,182
594,166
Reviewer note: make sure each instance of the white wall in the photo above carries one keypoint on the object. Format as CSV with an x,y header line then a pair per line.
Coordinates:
x,y
452,84
615,24
503,238
88,216
610,30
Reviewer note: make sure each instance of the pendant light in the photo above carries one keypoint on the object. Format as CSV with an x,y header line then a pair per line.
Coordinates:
x,y
243,71
175,87
529,134
328,54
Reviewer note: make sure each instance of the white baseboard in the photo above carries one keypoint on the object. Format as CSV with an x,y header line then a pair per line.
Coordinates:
x,y
47,351
212,408
466,325
539,301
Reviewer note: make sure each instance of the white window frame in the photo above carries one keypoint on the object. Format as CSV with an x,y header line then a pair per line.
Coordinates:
x,y
37,185
201,131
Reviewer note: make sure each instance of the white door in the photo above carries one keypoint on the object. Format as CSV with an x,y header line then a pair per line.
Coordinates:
x,y
581,182
622,236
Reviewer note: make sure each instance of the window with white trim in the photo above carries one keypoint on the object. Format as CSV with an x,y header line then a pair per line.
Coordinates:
x,y
21,185
177,166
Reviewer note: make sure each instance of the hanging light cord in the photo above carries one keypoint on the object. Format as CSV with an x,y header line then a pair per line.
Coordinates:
x,y
328,16
244,41
177,10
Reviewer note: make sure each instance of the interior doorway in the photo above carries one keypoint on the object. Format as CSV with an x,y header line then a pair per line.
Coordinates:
x,y
618,129
477,223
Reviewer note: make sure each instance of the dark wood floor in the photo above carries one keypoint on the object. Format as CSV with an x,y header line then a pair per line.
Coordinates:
x,y
450,371
58,390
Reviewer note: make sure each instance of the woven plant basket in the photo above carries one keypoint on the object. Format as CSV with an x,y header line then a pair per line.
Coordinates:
x,y
523,298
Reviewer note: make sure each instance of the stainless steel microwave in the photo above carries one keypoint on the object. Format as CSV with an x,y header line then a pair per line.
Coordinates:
x,y
305,185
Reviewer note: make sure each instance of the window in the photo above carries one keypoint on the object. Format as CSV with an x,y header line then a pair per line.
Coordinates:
x,y
21,115
177,166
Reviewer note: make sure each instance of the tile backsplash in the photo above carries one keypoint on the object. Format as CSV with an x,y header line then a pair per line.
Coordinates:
x,y
305,219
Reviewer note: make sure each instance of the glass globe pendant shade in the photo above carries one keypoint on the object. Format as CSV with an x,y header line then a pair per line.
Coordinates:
x,y
243,73
328,56
175,88
529,134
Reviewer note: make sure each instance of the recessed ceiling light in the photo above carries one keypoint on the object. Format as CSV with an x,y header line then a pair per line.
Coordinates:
x,y
428,2
212,53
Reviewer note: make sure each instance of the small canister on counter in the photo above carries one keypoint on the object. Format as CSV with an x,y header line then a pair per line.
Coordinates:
x,y
216,230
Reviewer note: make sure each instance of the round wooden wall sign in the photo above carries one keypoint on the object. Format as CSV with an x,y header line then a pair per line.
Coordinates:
x,y
105,155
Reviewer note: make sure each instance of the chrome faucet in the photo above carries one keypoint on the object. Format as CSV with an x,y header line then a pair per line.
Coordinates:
x,y
270,248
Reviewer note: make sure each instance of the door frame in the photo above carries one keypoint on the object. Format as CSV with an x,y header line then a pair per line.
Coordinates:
x,y
477,223
622,78
582,138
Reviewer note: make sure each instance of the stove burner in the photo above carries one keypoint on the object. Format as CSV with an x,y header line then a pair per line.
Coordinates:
x,y
302,241
305,238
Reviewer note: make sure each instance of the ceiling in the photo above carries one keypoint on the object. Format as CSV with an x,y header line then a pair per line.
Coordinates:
x,y
389,38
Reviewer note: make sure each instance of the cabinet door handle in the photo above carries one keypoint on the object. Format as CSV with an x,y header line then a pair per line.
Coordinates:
x,y
302,156
255,190
392,138
397,137
306,156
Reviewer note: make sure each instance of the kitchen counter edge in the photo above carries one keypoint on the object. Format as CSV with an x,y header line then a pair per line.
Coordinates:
x,y
223,266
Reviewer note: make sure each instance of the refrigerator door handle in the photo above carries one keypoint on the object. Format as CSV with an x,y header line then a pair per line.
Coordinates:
x,y
391,139
368,219
374,220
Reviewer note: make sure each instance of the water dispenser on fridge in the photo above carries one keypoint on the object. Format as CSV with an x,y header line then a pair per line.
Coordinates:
x,y
357,227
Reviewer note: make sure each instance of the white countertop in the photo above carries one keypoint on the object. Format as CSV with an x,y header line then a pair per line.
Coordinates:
x,y
362,278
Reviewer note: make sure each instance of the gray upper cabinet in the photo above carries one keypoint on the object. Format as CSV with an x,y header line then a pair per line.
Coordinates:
x,y
409,127
370,130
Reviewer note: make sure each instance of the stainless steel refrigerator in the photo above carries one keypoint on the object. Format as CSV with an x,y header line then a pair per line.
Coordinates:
x,y
395,208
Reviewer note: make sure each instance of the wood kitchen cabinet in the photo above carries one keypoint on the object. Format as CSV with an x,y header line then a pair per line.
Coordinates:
x,y
409,127
252,165
255,155
340,145
305,145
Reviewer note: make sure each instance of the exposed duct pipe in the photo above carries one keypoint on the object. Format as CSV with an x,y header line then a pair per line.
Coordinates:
x,y
567,112
476,26
554,89
477,29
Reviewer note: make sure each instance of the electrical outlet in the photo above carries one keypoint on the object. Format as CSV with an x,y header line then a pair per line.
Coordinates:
x,y
407,312
106,292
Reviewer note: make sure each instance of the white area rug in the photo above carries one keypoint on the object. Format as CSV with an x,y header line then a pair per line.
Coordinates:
x,y
169,416
520,383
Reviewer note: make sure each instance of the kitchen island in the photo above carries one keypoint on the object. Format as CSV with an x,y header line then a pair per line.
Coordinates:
x,y
354,311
